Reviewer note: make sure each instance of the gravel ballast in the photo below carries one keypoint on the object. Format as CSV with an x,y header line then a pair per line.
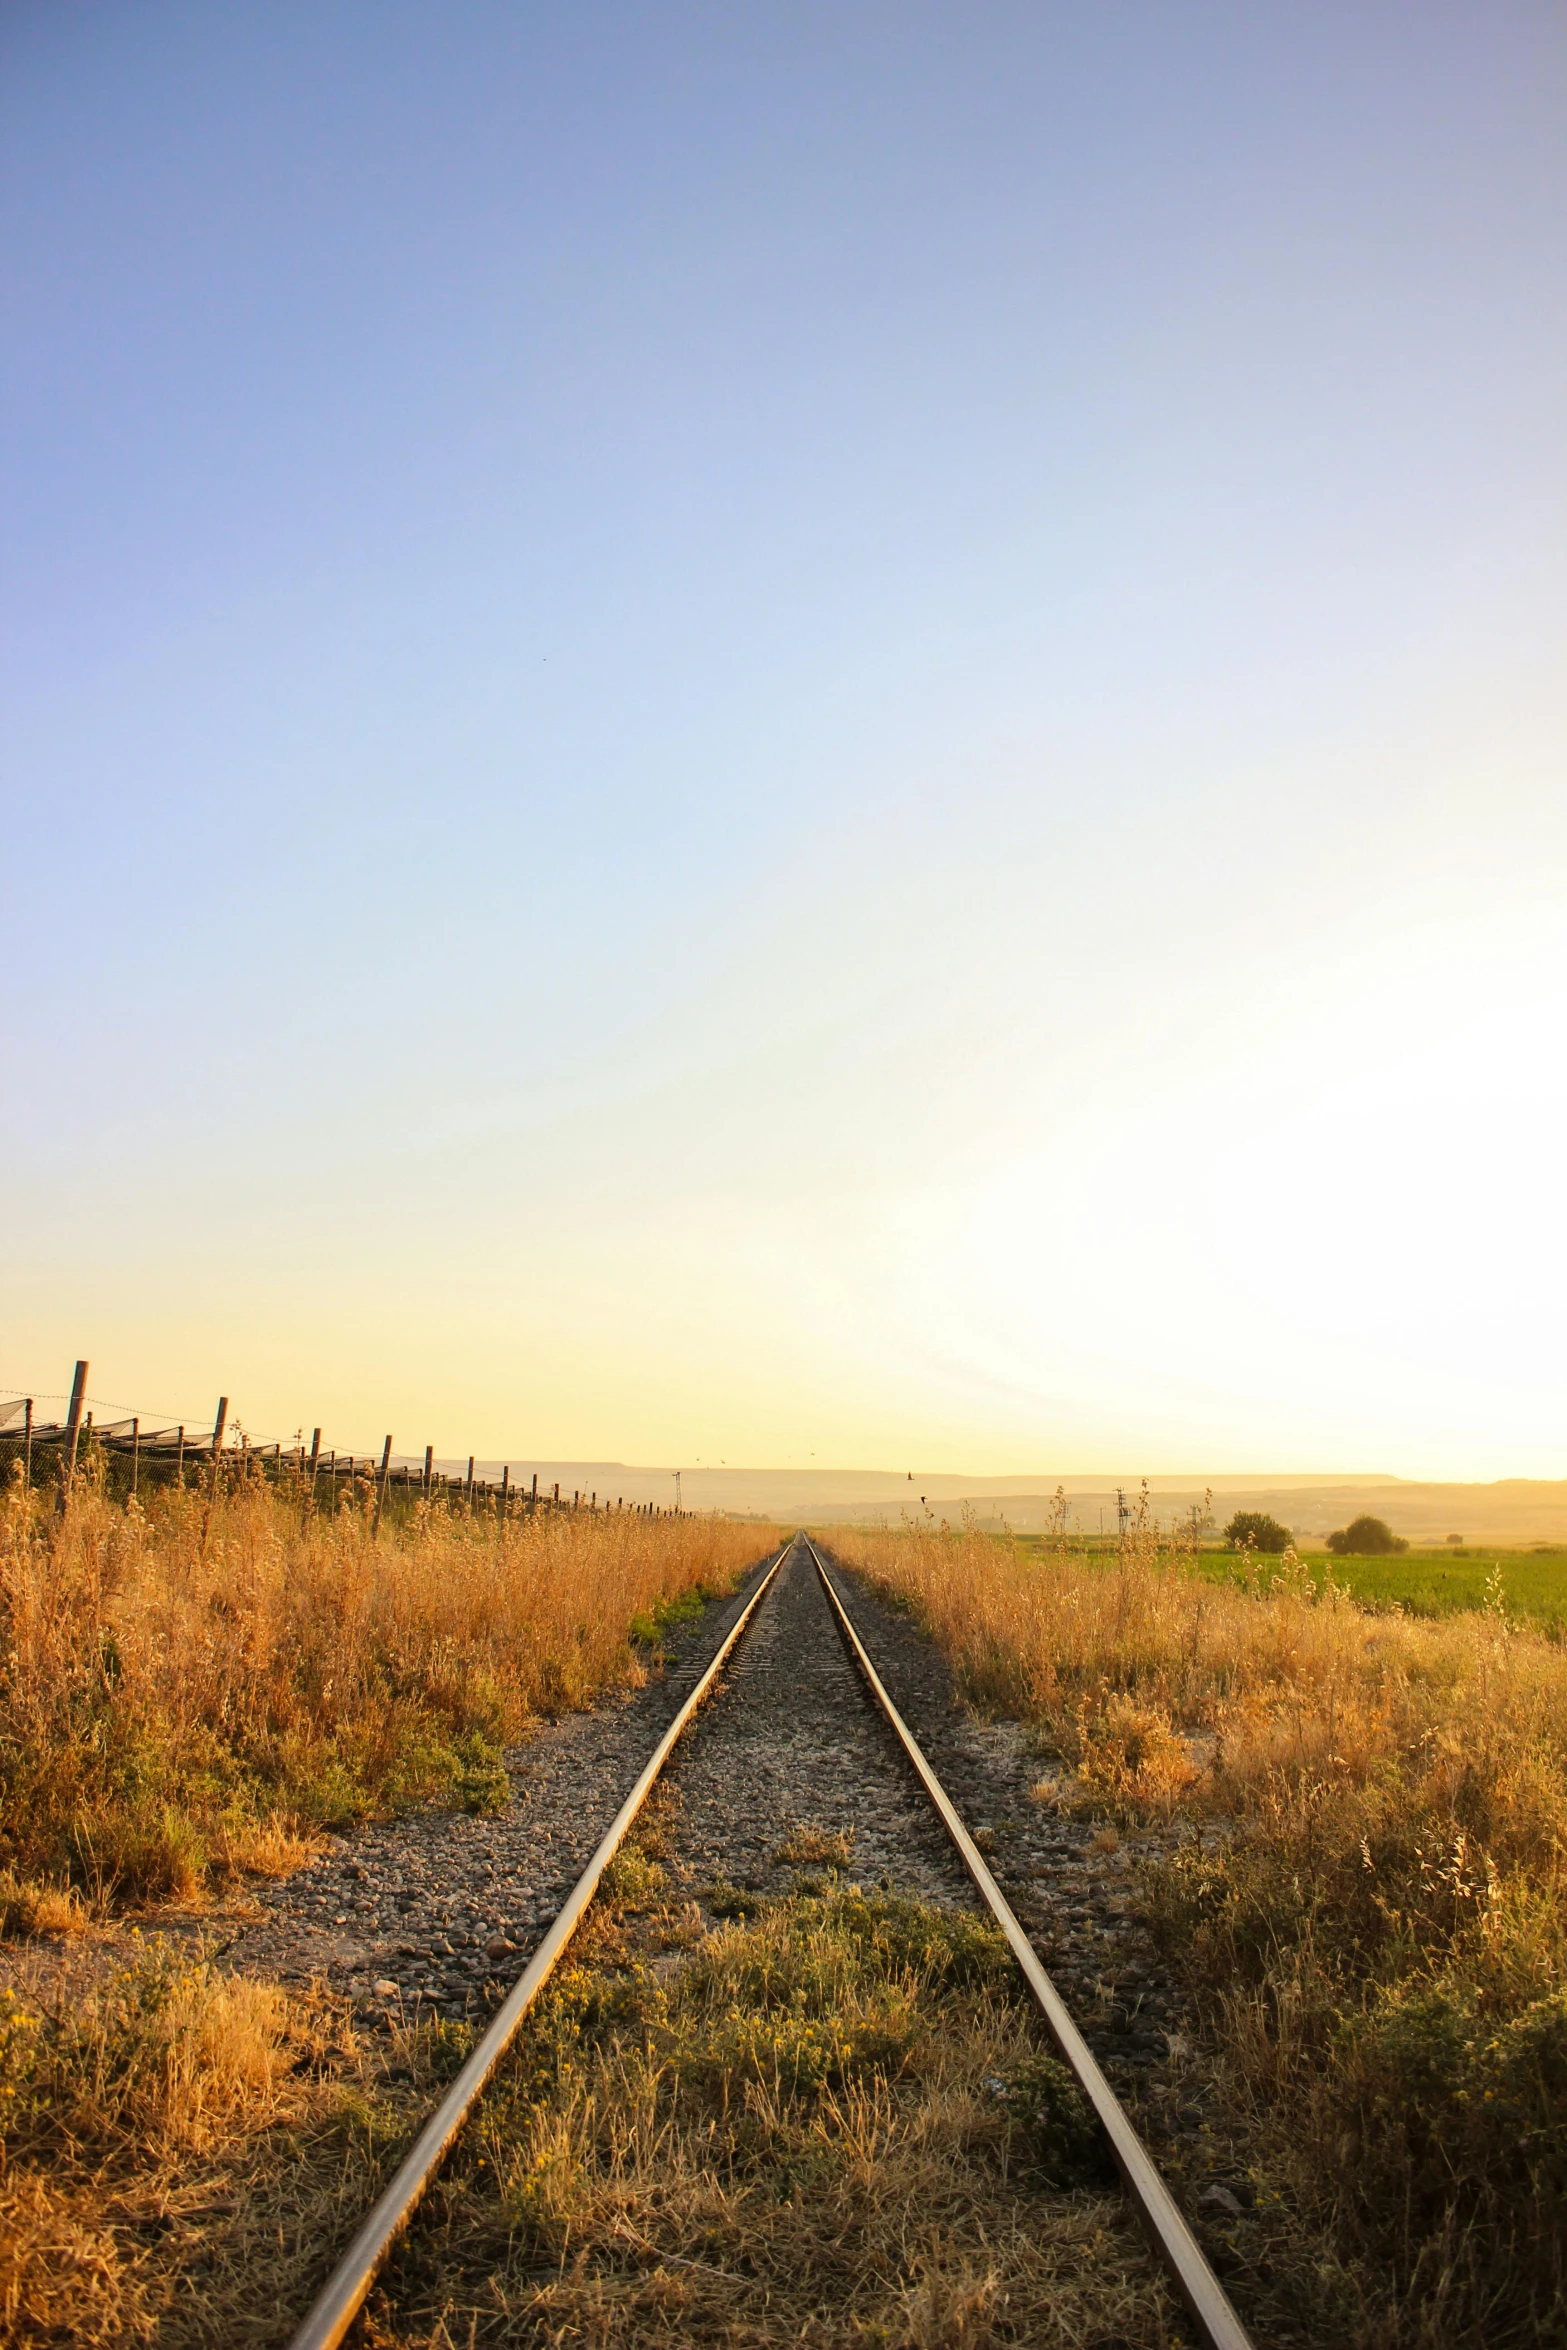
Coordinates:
x,y
789,1768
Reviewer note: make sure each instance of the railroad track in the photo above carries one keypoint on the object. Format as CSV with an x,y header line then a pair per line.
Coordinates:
x,y
785,1626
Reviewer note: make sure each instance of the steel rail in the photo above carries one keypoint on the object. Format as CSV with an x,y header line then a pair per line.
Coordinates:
x,y
1200,2289
345,2291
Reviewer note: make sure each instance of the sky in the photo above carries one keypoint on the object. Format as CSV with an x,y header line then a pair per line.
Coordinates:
x,y
803,733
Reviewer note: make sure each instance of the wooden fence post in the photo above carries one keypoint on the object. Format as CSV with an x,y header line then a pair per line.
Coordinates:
x,y
179,1460
73,1430
429,1468
380,1491
135,1453
27,1446
212,1481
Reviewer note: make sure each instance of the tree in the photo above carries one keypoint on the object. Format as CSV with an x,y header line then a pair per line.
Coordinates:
x,y
1255,1530
1366,1538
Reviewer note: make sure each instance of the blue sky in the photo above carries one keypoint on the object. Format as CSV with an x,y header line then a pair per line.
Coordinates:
x,y
788,732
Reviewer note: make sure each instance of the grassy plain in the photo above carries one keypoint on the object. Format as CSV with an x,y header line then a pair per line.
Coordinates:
x,y
1376,1941
1532,1584
1442,1580
200,1685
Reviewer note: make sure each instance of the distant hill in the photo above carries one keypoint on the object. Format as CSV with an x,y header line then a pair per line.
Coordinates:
x,y
1510,1511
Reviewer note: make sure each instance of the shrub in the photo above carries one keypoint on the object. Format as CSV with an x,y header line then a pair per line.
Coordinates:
x,y
1366,1538
1255,1530
1131,1755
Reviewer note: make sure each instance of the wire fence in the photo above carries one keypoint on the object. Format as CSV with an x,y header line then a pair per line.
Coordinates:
x,y
133,1451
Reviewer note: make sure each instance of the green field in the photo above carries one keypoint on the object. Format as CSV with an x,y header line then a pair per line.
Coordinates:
x,y
1441,1581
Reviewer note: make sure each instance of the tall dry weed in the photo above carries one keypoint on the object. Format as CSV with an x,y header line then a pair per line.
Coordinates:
x,y
205,1681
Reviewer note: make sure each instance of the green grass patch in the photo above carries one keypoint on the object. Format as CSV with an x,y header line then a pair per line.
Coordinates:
x,y
647,1628
1444,1581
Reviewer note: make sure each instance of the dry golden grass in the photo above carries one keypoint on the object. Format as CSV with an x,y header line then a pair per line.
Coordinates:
x,y
28,1908
178,2146
197,1689
833,2123
204,1684
808,1844
1378,1939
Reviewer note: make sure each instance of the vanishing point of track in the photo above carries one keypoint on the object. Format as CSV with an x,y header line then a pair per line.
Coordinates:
x,y
350,2282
